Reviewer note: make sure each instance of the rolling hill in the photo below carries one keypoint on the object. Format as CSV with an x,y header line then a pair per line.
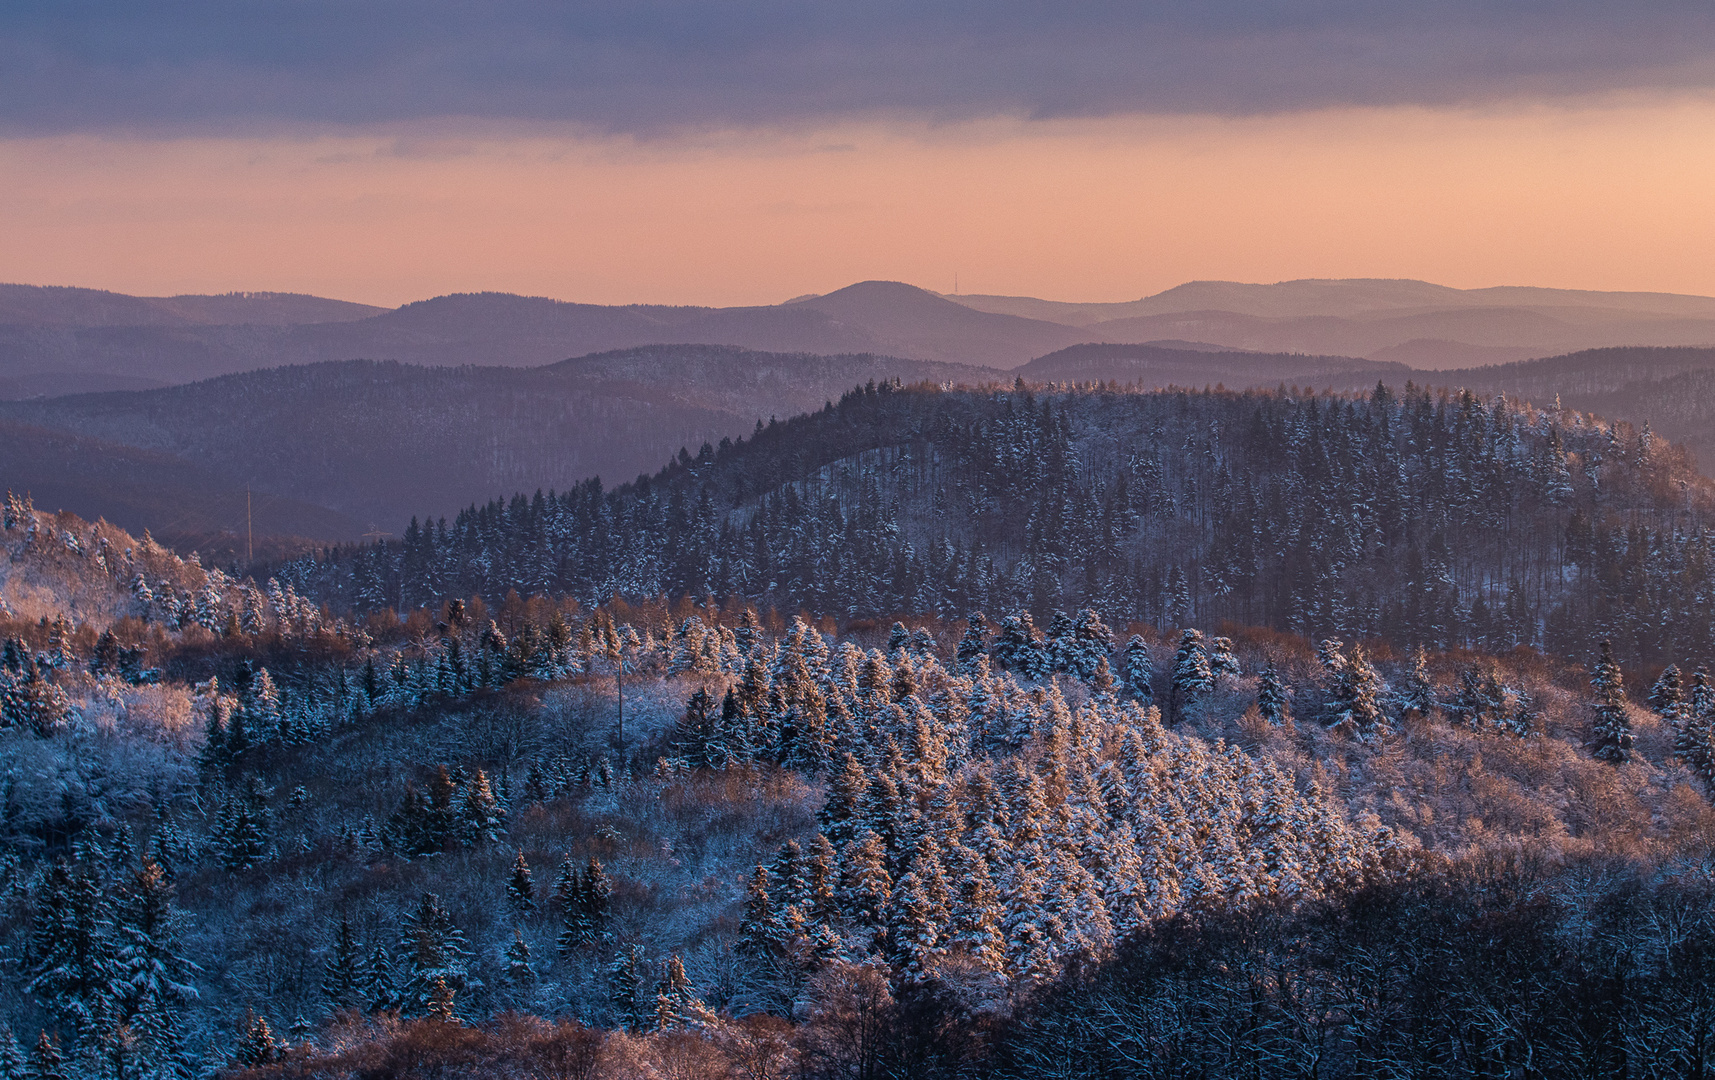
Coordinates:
x,y
378,442
67,341
1414,322
58,340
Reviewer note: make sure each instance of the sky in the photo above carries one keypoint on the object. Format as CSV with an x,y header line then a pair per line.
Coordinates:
x,y
745,152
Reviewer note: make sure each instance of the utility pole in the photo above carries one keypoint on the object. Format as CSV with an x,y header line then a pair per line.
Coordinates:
x,y
249,532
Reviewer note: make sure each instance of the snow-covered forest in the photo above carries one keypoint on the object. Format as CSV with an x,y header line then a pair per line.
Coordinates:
x,y
1038,733
1414,517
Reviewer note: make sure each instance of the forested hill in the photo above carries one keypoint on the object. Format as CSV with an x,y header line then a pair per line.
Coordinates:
x,y
1416,518
1158,364
378,442
1670,388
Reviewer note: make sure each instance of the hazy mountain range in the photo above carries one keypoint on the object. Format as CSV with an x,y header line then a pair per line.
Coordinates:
x,y
340,448
345,419
65,340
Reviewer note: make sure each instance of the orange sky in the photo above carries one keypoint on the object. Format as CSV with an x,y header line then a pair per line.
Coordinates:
x,y
1611,196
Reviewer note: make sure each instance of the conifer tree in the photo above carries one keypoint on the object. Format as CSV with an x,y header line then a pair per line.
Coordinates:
x,y
257,1045
1667,696
1271,700
1193,679
519,973
1611,731
821,881
676,1005
155,979
1019,648
1089,644
520,892
12,1060
440,1001
1416,694
243,827
691,735
1137,670
1222,661
214,759
840,815
434,951
1354,689
76,973
761,933
1701,698
628,989
898,639
480,816
585,898
865,885
342,975
379,988
46,1062
974,643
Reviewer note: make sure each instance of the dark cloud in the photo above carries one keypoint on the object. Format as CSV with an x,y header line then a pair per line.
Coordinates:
x,y
72,65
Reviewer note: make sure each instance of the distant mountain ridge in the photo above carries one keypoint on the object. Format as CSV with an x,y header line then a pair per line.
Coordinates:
x,y
66,340
78,340
53,305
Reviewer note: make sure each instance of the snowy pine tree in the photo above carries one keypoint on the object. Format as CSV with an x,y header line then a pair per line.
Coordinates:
x,y
1271,699
1193,678
1137,670
343,975
1667,696
434,951
520,892
1611,730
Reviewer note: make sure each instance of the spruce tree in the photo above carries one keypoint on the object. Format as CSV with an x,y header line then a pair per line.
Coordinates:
x,y
761,933
628,989
75,972
1611,730
520,892
1137,670
12,1060
1222,661
1701,698
1271,699
1354,690
1667,696
865,885
380,989
46,1062
342,975
440,1001
480,816
242,824
1089,644
585,898
156,980
434,951
840,815
1416,694
257,1045
1193,679
676,1005
974,643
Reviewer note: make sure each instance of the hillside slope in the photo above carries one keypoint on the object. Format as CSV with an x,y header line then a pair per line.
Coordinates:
x,y
376,443
1416,518
1416,322
61,341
